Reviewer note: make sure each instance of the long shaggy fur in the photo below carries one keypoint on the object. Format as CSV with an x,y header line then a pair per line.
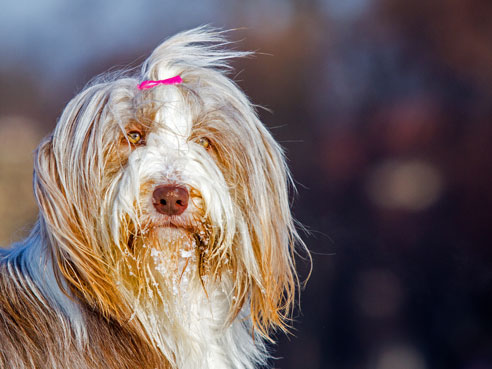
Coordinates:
x,y
105,281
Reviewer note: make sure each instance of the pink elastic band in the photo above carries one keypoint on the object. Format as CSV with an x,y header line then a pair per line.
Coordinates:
x,y
176,80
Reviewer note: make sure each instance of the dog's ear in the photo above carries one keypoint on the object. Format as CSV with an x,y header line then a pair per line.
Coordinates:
x,y
65,179
268,271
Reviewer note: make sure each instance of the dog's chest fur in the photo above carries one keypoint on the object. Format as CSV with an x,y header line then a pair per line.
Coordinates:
x,y
34,336
72,335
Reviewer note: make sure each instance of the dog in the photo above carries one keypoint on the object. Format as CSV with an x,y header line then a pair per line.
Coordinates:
x,y
165,237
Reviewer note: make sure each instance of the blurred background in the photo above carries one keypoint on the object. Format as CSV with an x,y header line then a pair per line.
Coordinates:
x,y
384,109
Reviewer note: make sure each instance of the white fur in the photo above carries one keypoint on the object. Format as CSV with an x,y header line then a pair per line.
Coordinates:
x,y
206,286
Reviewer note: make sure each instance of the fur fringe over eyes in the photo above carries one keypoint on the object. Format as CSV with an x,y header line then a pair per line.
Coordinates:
x,y
226,264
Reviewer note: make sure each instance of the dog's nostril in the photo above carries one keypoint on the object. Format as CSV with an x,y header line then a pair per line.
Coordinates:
x,y
170,199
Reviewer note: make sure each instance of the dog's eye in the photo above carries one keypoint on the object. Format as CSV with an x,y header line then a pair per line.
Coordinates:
x,y
134,137
205,142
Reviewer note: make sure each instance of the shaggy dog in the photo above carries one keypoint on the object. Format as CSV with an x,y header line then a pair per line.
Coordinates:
x,y
164,238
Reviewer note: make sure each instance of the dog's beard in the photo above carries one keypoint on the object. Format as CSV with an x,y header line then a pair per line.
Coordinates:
x,y
163,272
165,258
176,261
173,260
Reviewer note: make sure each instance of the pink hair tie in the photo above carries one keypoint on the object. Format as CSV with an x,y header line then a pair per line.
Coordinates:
x,y
176,80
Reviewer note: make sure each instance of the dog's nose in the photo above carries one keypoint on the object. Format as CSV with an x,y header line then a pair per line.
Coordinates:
x,y
170,199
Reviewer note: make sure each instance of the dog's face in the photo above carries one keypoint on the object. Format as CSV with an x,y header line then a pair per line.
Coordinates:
x,y
142,191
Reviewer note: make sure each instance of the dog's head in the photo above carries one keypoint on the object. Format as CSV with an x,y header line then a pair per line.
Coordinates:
x,y
132,183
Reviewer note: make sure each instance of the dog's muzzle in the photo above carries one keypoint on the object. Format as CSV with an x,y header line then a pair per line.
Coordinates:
x,y
170,199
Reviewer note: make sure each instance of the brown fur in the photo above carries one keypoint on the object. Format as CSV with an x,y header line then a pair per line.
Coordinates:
x,y
33,336
98,245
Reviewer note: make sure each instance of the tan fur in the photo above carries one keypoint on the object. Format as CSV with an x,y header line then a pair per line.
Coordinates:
x,y
119,264
33,336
